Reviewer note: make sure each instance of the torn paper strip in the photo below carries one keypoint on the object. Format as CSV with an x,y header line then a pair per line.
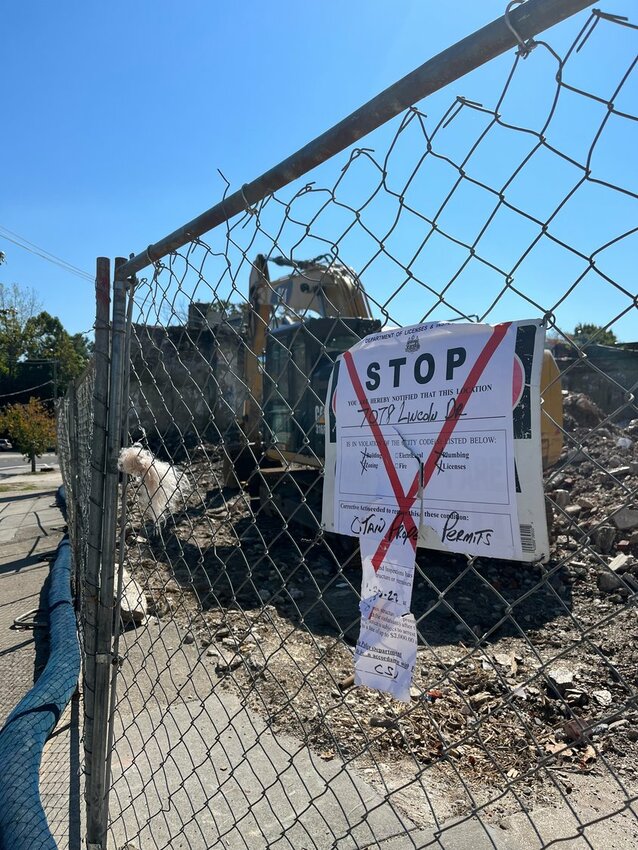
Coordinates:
x,y
390,585
386,653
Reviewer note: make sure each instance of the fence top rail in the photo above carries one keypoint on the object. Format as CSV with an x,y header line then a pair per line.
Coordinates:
x,y
515,27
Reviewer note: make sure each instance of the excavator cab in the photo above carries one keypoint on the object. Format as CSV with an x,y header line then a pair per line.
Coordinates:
x,y
297,324
299,360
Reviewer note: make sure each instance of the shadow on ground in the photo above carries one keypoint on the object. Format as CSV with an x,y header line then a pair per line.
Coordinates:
x,y
257,558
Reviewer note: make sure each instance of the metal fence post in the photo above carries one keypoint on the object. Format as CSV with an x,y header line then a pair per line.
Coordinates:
x,y
73,498
121,547
92,581
96,826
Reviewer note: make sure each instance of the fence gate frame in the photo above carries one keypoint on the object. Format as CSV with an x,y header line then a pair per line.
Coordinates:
x,y
102,601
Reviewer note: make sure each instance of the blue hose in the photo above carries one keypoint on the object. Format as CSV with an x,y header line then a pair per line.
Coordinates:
x,y
23,823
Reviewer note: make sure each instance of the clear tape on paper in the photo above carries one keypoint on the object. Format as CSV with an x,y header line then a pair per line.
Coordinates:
x,y
386,653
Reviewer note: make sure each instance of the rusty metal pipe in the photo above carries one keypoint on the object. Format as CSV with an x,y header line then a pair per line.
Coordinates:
x,y
475,50
96,517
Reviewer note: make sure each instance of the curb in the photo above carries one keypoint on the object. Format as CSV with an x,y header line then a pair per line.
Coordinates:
x,y
23,823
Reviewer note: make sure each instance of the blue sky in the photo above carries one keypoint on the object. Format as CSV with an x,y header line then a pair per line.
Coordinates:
x,y
116,118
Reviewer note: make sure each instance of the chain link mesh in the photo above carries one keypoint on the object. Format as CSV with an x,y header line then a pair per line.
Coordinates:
x,y
74,436
75,430
65,425
235,718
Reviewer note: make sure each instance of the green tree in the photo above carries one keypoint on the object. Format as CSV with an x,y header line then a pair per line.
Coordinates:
x,y
31,427
28,333
17,306
588,332
46,339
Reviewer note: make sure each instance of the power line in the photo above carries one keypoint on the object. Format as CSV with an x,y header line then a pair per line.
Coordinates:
x,y
24,243
49,258
32,248
27,390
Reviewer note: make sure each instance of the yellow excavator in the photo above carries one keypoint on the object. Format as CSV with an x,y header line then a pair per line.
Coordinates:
x,y
297,325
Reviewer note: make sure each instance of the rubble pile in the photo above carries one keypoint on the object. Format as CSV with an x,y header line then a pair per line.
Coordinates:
x,y
522,669
592,495
580,411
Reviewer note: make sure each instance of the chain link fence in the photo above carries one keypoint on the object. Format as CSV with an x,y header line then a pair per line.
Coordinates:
x,y
74,416
76,427
229,716
81,447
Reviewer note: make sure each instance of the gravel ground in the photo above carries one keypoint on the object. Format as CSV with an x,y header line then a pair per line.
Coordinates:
x,y
526,675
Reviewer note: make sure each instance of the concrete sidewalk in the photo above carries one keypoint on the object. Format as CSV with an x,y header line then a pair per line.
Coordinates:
x,y
31,526
193,773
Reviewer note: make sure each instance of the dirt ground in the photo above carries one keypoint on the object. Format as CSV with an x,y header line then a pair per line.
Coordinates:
x,y
526,676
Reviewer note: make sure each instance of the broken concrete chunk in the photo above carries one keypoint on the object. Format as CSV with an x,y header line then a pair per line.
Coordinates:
x,y
604,538
618,564
586,504
625,519
608,582
620,471
602,697
133,607
559,679
227,667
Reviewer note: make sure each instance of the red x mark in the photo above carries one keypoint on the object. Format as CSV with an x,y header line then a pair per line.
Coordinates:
x,y
406,500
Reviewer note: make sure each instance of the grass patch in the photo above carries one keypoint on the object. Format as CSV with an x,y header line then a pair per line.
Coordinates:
x,y
6,488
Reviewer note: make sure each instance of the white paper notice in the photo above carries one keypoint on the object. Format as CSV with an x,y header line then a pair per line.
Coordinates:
x,y
429,409
386,653
386,649
420,451
390,586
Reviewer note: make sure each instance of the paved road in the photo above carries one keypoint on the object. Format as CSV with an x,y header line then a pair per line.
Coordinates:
x,y
12,463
